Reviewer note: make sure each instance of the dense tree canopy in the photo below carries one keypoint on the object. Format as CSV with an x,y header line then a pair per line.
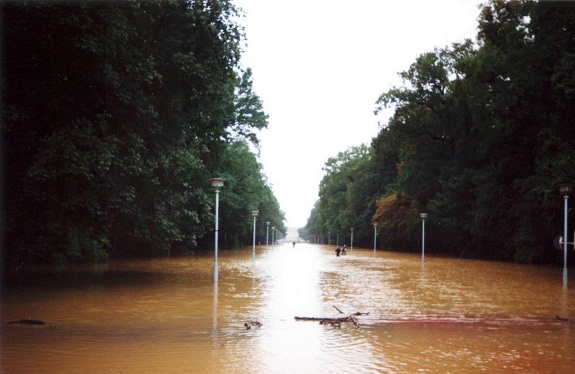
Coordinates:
x,y
347,194
481,138
116,114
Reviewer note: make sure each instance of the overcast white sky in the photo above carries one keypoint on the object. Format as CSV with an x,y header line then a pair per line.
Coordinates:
x,y
320,65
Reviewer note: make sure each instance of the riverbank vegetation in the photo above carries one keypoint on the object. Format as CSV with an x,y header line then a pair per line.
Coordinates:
x,y
481,138
116,115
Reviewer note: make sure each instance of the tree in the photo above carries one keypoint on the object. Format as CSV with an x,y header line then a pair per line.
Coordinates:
x,y
480,134
116,114
345,199
246,189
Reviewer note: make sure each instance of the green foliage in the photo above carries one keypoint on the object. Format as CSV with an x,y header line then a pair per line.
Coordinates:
x,y
81,247
245,190
116,115
346,197
480,139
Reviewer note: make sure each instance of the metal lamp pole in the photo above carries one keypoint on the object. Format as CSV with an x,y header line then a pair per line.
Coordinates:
x,y
217,183
423,217
267,232
351,244
565,240
565,189
374,237
273,233
255,214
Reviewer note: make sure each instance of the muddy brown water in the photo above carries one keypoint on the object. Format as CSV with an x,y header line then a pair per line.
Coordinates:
x,y
168,316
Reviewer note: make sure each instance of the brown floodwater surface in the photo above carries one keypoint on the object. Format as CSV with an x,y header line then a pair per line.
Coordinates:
x,y
168,316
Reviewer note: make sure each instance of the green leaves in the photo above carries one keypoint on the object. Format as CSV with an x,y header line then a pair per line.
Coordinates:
x,y
480,139
249,114
117,115
245,190
347,183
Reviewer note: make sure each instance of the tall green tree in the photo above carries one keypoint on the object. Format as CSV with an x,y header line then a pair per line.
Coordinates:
x,y
479,142
245,190
115,116
346,197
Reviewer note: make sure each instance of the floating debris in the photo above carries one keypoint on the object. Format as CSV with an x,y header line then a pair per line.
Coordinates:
x,y
256,324
28,322
564,319
336,322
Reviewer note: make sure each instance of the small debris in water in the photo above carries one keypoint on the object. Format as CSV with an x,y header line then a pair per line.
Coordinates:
x,y
248,325
28,322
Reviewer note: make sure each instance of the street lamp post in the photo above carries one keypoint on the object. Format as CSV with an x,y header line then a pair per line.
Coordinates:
x,y
217,183
255,214
273,233
565,189
374,237
423,217
267,232
351,244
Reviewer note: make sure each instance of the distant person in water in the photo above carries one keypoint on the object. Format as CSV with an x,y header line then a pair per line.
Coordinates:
x,y
293,244
337,251
344,250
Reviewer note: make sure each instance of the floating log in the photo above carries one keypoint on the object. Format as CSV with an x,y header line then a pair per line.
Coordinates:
x,y
564,319
342,319
28,322
336,322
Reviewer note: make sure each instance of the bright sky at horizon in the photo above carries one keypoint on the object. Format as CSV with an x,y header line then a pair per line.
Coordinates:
x,y
319,67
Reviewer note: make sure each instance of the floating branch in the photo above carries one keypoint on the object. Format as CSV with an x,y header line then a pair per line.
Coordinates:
x,y
336,308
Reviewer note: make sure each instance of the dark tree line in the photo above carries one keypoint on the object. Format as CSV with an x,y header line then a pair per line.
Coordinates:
x,y
115,116
481,137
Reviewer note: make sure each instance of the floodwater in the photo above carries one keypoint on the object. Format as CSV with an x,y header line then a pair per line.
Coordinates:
x,y
167,315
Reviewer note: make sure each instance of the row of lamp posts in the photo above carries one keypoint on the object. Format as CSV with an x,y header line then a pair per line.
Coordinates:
x,y
423,217
217,183
274,233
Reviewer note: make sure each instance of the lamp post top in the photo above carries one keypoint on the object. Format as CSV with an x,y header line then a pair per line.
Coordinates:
x,y
255,213
217,182
423,215
566,188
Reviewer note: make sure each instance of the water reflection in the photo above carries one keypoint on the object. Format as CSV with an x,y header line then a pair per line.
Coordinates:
x,y
168,315
215,311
